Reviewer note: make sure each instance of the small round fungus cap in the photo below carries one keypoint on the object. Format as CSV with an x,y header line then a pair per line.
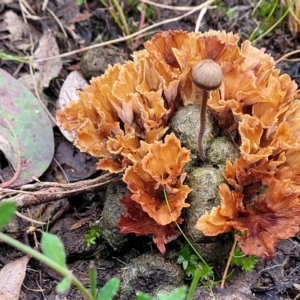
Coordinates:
x,y
207,75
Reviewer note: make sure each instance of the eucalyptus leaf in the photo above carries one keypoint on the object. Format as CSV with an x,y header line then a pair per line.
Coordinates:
x,y
26,135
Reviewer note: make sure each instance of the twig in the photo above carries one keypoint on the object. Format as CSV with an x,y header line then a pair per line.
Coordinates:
x,y
228,264
171,7
55,191
200,17
285,56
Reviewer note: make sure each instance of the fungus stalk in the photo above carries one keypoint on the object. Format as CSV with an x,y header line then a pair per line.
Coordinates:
x,y
207,75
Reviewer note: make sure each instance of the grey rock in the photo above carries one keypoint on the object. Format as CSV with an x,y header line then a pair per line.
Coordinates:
x,y
95,61
151,274
222,149
112,211
214,250
186,123
204,182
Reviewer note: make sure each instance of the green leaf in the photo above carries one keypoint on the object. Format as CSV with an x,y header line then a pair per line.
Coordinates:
x,y
245,262
7,210
177,294
249,263
194,259
205,271
64,285
180,259
109,290
142,296
26,133
53,248
185,264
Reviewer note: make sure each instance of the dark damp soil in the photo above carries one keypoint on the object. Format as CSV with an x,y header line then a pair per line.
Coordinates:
x,y
91,23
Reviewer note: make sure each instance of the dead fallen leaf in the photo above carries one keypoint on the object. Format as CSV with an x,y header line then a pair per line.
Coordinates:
x,y
11,278
19,31
70,164
68,92
296,286
68,9
26,135
80,223
80,18
48,69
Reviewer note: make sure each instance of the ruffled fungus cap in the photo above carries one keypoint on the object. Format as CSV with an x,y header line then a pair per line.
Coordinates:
x,y
122,118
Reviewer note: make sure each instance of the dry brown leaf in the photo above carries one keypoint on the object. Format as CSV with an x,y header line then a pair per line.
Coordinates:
x,y
48,69
19,31
11,278
68,92
80,18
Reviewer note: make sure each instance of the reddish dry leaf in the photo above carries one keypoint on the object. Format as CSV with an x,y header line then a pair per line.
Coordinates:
x,y
79,18
273,215
138,222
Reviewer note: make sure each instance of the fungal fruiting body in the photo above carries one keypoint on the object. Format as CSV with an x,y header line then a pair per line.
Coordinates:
x,y
122,117
206,75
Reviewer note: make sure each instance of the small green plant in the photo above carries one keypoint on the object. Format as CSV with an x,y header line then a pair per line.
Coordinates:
x,y
148,10
224,9
92,235
188,260
270,15
245,262
123,16
191,263
118,15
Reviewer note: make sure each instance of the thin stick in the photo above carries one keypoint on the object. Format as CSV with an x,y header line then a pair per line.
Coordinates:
x,y
228,264
57,191
202,125
285,56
